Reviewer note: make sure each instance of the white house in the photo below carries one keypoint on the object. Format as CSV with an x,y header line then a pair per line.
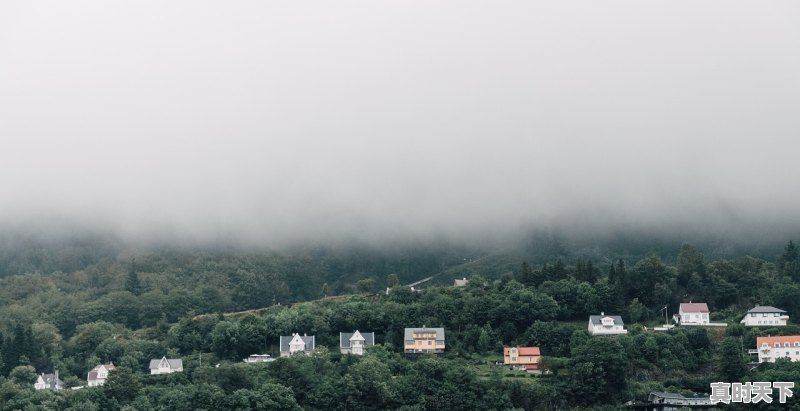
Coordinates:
x,y
606,324
98,375
772,348
461,283
165,366
692,314
297,343
764,315
49,382
355,343
259,358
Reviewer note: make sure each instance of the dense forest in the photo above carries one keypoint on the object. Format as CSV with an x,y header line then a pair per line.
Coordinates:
x,y
74,304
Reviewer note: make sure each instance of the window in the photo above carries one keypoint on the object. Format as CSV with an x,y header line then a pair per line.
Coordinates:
x,y
777,345
786,344
797,343
430,342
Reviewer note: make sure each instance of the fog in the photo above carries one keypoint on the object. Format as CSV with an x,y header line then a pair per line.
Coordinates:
x,y
272,121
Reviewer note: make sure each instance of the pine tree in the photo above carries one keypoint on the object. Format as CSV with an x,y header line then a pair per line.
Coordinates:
x,y
789,262
525,275
132,284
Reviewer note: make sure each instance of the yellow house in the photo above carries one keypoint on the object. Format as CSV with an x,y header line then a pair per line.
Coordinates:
x,y
422,340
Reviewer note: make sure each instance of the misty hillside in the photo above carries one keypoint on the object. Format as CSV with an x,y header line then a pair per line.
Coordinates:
x,y
69,304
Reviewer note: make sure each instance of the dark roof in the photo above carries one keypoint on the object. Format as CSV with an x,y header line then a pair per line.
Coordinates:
x,y
344,339
173,363
409,334
93,373
50,380
666,395
286,339
595,319
765,309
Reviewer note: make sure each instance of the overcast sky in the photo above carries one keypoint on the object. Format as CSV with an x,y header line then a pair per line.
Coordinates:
x,y
277,119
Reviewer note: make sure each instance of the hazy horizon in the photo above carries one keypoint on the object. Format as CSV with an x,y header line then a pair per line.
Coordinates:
x,y
271,122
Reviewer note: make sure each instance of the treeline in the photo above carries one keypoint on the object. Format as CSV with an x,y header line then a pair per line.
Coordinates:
x,y
171,303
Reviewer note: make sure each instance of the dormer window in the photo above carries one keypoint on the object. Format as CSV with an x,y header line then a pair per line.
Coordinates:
x,y
786,344
777,345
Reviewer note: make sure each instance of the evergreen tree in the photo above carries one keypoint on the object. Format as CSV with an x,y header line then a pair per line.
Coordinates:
x,y
132,284
731,363
525,274
789,262
325,290
485,340
392,280
559,270
622,279
690,261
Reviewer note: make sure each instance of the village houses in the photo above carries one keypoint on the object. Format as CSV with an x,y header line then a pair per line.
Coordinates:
x,y
297,344
165,366
606,324
764,315
355,342
99,374
423,340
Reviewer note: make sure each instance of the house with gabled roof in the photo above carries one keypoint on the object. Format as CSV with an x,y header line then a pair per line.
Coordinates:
x,y
772,348
765,316
606,324
356,342
523,358
664,401
297,344
692,314
423,340
98,375
165,365
49,382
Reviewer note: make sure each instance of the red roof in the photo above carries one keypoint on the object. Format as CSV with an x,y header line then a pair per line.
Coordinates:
x,y
791,339
694,307
532,366
522,351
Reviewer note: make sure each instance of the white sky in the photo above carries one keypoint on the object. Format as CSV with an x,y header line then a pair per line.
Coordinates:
x,y
269,119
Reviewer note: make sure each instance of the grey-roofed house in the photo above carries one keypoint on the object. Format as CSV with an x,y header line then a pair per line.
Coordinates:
x,y
356,342
296,343
165,365
423,340
668,401
606,324
48,382
765,316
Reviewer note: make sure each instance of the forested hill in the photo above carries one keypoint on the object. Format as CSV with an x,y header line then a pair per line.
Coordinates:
x,y
71,305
